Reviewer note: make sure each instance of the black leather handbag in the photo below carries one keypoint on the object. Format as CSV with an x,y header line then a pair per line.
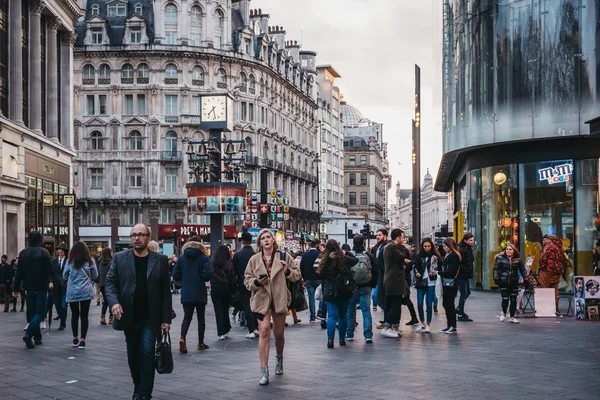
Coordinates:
x,y
163,355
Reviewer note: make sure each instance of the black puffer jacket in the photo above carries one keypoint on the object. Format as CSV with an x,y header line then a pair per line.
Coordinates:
x,y
35,270
466,263
332,267
506,270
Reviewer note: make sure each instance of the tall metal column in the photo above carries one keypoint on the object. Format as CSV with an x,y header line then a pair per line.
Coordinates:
x,y
216,220
416,160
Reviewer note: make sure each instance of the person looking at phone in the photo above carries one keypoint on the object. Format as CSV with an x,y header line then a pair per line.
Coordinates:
x,y
265,277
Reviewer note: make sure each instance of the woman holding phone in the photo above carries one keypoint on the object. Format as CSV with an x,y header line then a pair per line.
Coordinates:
x,y
266,277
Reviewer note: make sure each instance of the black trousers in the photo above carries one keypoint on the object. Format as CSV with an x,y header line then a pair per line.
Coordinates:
x,y
393,310
80,309
188,315
250,319
411,307
509,292
449,307
221,305
105,304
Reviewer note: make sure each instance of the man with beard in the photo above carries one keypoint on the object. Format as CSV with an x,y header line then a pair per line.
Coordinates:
x,y
378,295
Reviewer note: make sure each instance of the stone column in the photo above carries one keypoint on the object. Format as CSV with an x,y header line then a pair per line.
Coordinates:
x,y
114,225
15,64
154,214
35,68
66,93
159,23
52,79
185,23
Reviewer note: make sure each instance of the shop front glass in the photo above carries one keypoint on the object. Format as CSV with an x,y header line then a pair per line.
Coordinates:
x,y
587,214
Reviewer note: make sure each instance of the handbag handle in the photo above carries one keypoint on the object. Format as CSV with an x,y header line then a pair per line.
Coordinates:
x,y
165,337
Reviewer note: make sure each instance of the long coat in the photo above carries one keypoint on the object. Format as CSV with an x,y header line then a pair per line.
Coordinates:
x,y
120,289
394,280
275,292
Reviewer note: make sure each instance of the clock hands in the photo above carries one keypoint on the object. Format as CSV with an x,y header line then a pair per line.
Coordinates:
x,y
211,112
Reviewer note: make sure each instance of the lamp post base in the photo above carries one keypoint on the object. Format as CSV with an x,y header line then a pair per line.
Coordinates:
x,y
216,232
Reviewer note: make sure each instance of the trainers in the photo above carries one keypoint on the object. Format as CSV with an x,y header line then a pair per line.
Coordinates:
x,y
380,326
264,376
398,332
279,366
202,346
350,339
342,342
222,337
368,340
502,317
451,330
465,318
389,333
420,328
103,320
82,344
28,342
514,320
444,330
435,309
182,346
330,343
75,342
251,335
427,329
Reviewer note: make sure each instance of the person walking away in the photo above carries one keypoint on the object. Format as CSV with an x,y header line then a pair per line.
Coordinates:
x,y
60,285
14,265
223,286
396,257
193,269
465,274
105,261
310,276
137,288
297,258
449,271
333,264
266,277
240,262
425,279
378,295
6,277
551,265
366,277
406,301
34,274
507,266
80,274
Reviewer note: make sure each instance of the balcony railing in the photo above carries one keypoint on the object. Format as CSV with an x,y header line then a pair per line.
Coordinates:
x,y
143,80
221,85
126,81
251,161
172,119
188,119
197,82
171,156
171,81
112,155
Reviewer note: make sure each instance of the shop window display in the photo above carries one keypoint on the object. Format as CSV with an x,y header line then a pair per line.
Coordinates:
x,y
588,215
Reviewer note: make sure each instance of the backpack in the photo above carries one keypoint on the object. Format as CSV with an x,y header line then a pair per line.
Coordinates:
x,y
362,271
344,285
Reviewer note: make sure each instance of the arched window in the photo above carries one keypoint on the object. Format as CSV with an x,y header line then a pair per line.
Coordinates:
x,y
104,75
243,79
96,141
171,71
95,9
251,82
266,150
197,76
127,73
219,22
171,142
171,14
138,9
196,16
89,75
219,19
135,141
249,150
221,79
143,73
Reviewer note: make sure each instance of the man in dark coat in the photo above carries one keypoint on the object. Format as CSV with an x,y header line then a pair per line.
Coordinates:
x,y
35,275
309,274
60,286
465,274
378,294
396,257
240,262
138,290
6,277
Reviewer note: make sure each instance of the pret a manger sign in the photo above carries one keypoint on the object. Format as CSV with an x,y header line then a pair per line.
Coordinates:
x,y
553,175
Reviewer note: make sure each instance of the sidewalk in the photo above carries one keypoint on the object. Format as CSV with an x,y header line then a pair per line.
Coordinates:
x,y
551,358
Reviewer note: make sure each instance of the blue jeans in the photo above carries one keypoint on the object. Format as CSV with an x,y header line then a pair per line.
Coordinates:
x,y
141,342
428,295
362,296
465,291
336,314
375,296
311,286
36,307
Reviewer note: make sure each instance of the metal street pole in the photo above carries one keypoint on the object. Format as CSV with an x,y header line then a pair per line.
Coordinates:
x,y
216,220
416,160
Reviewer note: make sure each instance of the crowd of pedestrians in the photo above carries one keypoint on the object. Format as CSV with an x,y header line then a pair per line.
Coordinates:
x,y
257,281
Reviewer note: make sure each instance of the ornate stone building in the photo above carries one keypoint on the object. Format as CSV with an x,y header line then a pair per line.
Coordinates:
x,y
140,69
36,46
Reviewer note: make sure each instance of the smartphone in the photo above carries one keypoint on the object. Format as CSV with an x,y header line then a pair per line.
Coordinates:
x,y
262,276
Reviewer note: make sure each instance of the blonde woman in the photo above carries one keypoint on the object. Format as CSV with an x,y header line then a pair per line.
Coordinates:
x,y
266,277
153,246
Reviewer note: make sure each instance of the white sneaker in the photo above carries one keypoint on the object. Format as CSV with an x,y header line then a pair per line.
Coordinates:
x,y
251,335
420,328
398,332
502,317
26,326
350,339
226,335
389,333
222,337
514,320
427,329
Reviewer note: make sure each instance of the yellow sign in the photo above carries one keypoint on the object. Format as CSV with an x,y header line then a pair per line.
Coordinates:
x,y
69,200
48,200
273,193
286,209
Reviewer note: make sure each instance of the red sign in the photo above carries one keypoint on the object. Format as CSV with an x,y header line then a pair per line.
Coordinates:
x,y
166,231
264,209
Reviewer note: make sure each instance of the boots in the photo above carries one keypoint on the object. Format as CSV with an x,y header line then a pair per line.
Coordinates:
x,y
264,376
182,346
103,320
111,320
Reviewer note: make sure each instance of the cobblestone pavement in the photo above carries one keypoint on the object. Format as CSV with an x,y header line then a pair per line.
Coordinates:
x,y
549,358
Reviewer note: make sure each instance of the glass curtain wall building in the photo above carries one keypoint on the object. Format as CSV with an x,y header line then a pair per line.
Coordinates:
x,y
521,80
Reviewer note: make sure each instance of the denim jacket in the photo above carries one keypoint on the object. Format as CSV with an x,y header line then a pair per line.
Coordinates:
x,y
79,282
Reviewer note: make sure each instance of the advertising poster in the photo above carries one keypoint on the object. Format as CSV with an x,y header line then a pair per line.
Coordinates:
x,y
217,200
586,290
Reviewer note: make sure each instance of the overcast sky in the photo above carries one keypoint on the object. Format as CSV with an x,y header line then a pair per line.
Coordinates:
x,y
374,45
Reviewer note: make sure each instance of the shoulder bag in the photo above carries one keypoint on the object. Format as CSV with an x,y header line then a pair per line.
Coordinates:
x,y
163,355
447,282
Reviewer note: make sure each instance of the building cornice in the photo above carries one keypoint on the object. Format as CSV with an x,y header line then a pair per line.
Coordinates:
x,y
72,8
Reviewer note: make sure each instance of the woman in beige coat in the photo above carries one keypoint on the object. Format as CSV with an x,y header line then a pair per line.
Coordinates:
x,y
266,277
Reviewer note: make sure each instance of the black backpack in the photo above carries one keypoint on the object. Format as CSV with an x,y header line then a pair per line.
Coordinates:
x,y
344,285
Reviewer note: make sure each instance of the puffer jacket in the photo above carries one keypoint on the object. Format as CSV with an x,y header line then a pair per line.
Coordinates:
x,y
506,270
331,270
552,258
466,262
103,271
192,269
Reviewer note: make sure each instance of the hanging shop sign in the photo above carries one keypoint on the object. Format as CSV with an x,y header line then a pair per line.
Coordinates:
x,y
558,174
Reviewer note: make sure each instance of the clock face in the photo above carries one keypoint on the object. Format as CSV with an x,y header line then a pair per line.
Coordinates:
x,y
214,109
